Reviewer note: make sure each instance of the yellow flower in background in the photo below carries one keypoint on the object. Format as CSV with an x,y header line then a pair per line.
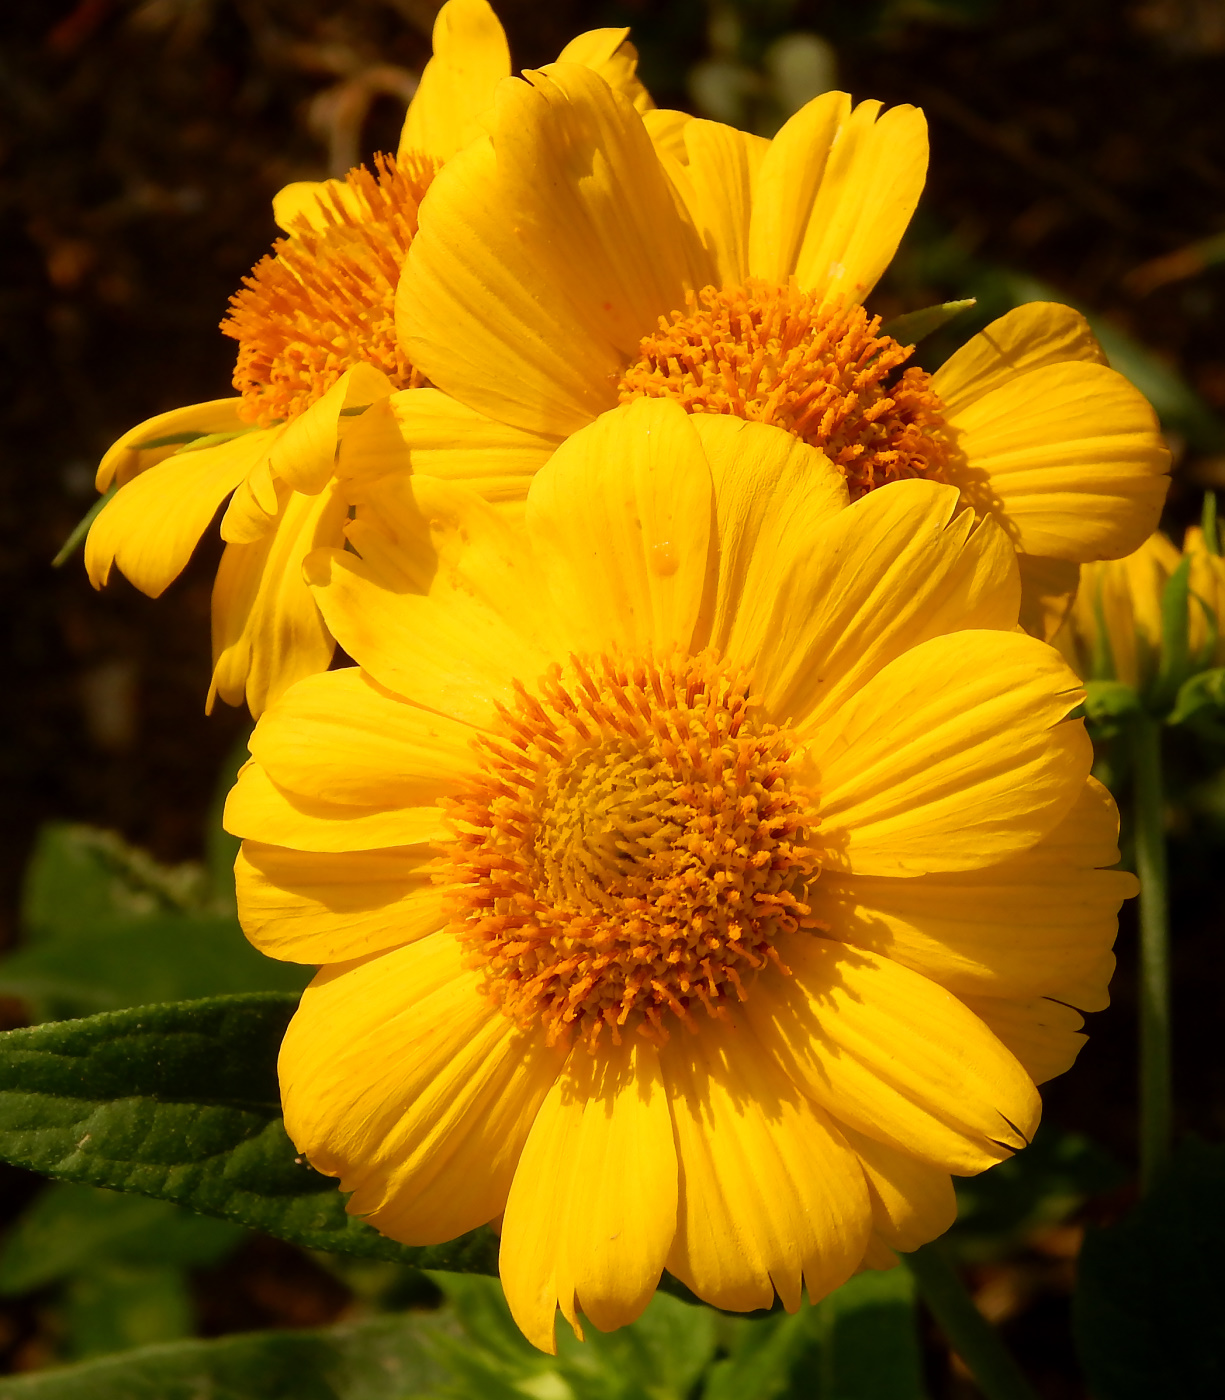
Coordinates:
x,y
585,254
1116,630
700,872
317,345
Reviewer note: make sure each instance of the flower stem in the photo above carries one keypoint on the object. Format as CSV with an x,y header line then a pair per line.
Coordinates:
x,y
969,1333
1148,807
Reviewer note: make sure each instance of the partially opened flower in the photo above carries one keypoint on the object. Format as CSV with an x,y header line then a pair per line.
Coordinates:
x,y
317,345
584,254
701,872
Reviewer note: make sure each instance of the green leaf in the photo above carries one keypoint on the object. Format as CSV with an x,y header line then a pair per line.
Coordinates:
x,y
1107,702
1175,645
69,1228
77,537
1200,694
384,1359
180,1103
1149,1308
112,1307
918,325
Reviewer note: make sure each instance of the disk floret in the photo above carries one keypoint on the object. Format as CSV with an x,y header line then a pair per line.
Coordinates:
x,y
773,354
634,842
324,299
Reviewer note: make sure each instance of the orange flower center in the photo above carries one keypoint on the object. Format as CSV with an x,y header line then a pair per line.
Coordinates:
x,y
772,354
324,299
634,842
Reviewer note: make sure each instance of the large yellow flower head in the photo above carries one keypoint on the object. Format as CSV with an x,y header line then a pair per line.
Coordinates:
x,y
584,254
317,345
701,871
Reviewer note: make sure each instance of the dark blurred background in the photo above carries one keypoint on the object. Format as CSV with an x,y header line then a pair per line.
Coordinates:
x,y
1078,152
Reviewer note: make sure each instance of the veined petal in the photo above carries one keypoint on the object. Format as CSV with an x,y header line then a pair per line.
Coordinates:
x,y
592,1209
544,254
771,1196
715,172
897,568
1039,924
1068,457
129,456
341,733
267,631
609,53
912,1201
304,454
151,525
426,432
402,1079
620,524
257,810
894,1055
319,907
471,57
1028,337
835,194
1044,1035
951,757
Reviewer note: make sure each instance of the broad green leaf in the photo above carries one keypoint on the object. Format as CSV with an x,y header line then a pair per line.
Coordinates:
x,y
1202,694
69,1228
1106,702
179,1102
384,1359
1149,1308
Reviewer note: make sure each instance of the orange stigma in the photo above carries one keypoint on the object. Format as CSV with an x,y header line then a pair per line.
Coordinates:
x,y
324,299
635,840
773,354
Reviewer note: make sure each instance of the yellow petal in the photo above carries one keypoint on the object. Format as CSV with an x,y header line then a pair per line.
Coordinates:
x,y
257,810
305,452
894,1055
1068,456
1048,590
952,757
543,256
402,1079
1043,1035
267,631
128,456
609,53
835,194
458,648
620,524
471,57
771,1196
1028,337
313,907
1039,924
667,131
256,504
895,569
150,526
342,735
592,1209
773,494
912,1201
306,204
715,175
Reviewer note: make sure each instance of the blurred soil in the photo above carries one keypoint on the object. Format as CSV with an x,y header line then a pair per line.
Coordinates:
x,y
141,141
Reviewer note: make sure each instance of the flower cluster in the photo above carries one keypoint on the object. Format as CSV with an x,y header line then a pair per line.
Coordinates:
x,y
701,858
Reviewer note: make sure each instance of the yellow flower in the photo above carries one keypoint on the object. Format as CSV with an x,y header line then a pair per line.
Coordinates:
x,y
584,254
1115,628
315,326
701,871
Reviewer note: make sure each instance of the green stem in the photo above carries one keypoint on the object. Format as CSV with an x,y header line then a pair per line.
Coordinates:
x,y
969,1333
1148,806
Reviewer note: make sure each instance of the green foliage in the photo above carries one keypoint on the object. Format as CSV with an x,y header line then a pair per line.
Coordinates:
x,y
106,927
918,325
1149,1309
180,1103
381,1359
